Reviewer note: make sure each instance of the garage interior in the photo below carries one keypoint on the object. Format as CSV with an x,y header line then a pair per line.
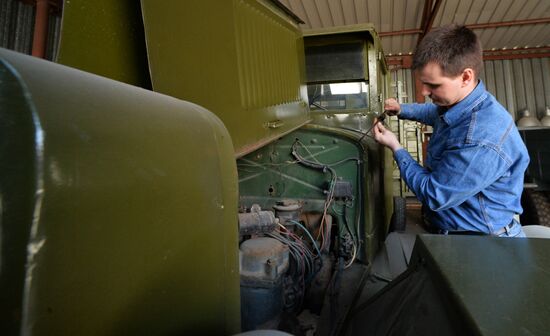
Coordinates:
x,y
516,40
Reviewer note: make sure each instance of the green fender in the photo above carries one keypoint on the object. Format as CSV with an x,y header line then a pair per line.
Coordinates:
x,y
118,208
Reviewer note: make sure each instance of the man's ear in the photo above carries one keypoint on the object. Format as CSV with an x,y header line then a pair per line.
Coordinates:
x,y
468,76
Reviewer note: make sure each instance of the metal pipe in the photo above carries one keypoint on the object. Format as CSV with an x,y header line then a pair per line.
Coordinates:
x,y
508,23
472,26
401,32
511,56
40,28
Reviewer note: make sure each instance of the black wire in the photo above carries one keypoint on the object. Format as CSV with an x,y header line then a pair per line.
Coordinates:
x,y
380,118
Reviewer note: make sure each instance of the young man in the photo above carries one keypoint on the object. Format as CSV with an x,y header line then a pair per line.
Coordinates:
x,y
473,177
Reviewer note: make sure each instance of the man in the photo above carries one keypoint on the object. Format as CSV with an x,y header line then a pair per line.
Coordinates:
x,y
476,159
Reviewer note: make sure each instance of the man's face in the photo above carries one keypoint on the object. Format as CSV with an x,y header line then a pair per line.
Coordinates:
x,y
443,90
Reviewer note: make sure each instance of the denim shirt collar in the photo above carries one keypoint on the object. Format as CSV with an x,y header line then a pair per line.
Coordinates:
x,y
466,105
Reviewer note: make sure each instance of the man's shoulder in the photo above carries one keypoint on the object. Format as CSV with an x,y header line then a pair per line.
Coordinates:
x,y
492,125
490,111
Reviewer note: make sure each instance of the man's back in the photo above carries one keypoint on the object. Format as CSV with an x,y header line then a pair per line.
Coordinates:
x,y
486,134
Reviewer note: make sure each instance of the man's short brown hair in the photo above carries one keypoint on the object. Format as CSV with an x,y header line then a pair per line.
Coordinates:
x,y
453,47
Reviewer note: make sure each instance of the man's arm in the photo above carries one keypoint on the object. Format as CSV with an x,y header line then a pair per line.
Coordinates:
x,y
424,113
460,174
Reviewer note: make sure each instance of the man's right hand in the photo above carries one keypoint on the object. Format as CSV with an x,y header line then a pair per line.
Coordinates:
x,y
392,107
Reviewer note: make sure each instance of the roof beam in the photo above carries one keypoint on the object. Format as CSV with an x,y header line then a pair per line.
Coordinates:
x,y
425,12
428,17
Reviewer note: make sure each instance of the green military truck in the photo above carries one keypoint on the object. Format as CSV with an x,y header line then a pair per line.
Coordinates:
x,y
168,176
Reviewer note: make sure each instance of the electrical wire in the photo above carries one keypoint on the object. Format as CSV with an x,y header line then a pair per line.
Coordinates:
x,y
303,260
324,230
352,257
307,150
309,235
325,226
380,118
354,240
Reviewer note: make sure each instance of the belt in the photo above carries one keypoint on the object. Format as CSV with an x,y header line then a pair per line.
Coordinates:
x,y
505,228
500,231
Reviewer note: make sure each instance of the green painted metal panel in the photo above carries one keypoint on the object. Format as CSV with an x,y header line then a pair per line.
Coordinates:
x,y
241,59
500,285
271,174
118,208
105,37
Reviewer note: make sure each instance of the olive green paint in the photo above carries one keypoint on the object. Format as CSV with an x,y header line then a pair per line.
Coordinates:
x,y
105,37
127,208
241,59
18,182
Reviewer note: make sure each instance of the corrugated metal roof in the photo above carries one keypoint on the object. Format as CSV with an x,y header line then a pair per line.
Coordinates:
x,y
396,16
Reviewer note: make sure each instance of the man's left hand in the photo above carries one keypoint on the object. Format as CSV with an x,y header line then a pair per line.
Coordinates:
x,y
386,137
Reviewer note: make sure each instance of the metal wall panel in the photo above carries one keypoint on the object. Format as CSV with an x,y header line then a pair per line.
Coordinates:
x,y
16,25
519,84
54,33
17,28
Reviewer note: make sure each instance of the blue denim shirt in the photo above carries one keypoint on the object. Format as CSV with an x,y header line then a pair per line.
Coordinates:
x,y
475,164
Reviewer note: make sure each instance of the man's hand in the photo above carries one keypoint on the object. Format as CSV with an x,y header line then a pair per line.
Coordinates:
x,y
392,107
386,137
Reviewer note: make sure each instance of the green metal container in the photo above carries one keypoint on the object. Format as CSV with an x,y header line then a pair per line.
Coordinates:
x,y
118,208
241,59
105,37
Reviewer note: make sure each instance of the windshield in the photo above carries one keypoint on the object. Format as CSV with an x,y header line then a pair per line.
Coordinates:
x,y
338,96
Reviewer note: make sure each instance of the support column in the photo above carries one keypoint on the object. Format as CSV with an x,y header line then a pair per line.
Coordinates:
x,y
40,36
